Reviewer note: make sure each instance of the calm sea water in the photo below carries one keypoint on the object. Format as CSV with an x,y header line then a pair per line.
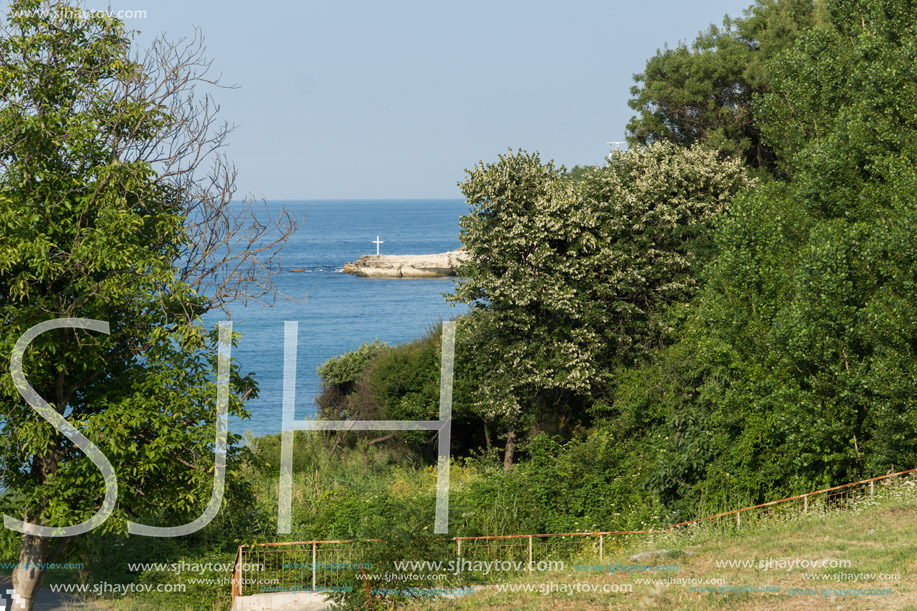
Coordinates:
x,y
338,312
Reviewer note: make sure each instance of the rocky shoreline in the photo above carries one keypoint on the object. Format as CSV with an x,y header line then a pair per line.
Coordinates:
x,y
406,266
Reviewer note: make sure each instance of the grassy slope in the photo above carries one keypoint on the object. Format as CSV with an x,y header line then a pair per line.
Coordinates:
x,y
876,536
891,547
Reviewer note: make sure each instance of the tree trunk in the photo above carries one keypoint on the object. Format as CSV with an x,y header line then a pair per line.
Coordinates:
x,y
510,449
27,576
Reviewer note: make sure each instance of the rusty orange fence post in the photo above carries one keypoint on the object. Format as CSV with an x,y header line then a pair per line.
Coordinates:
x,y
530,554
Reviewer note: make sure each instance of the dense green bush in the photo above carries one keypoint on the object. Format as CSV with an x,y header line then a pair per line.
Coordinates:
x,y
795,367
380,382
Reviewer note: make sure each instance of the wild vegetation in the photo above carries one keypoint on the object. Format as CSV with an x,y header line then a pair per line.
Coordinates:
x,y
720,316
725,567
734,340
114,208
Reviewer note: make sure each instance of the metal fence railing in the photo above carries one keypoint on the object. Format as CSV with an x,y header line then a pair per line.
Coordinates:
x,y
827,499
303,565
300,565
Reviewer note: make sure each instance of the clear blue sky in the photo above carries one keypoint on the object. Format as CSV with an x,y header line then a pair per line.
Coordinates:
x,y
344,99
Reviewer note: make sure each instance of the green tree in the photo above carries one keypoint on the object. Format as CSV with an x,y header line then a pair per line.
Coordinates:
x,y
340,375
568,281
704,93
107,213
797,368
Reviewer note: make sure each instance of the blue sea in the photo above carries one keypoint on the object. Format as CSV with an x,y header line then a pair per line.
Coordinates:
x,y
337,312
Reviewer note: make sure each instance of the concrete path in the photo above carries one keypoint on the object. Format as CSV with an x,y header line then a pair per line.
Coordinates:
x,y
282,601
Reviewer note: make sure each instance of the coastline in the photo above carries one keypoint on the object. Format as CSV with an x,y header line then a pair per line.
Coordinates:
x,y
438,265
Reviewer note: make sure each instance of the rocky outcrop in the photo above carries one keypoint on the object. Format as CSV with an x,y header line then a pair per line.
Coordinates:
x,y
406,266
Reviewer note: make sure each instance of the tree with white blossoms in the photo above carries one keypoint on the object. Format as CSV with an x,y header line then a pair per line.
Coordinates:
x,y
568,281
